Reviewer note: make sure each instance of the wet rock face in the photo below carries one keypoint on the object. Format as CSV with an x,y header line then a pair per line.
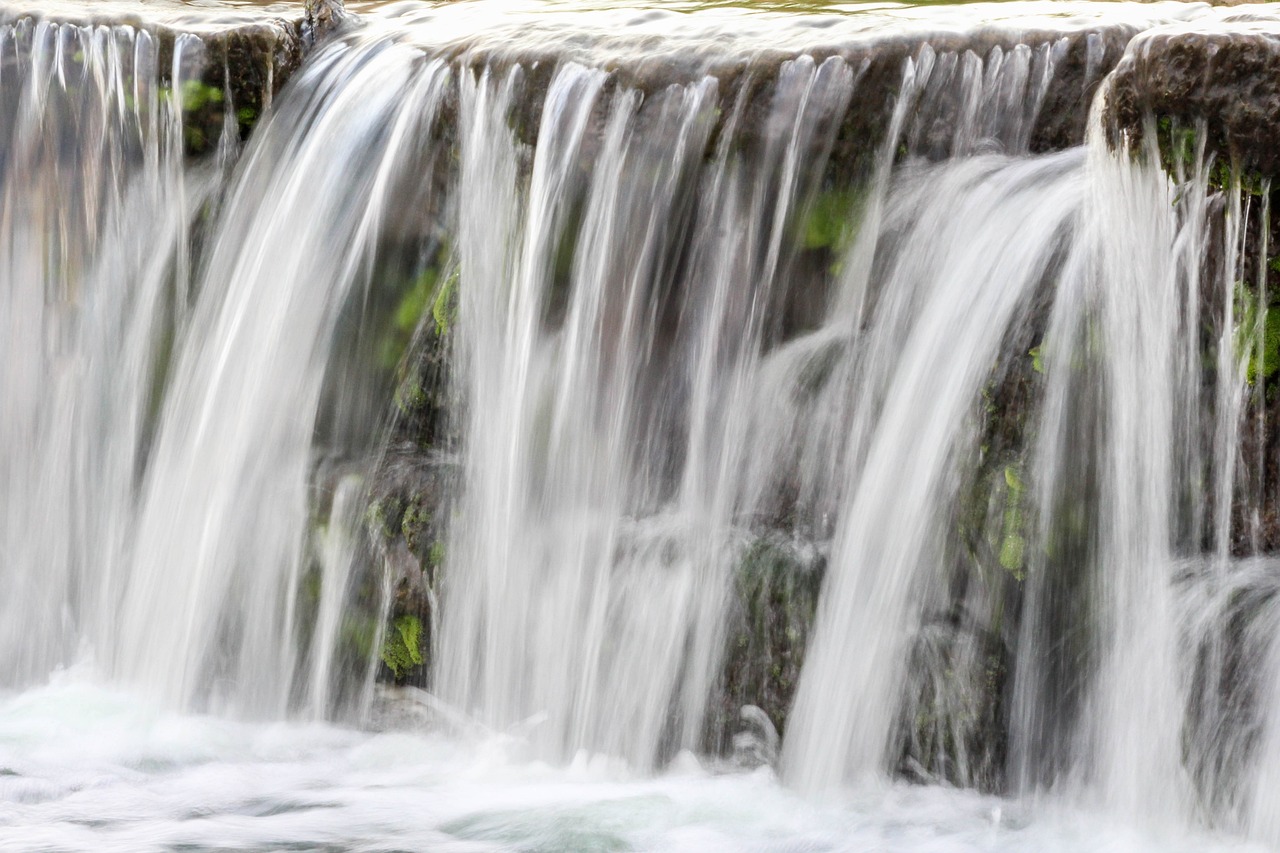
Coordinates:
x,y
251,62
771,614
1053,99
406,522
1085,62
320,17
1228,81
956,710
245,55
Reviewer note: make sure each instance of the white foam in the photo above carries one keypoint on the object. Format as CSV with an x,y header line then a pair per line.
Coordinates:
x,y
86,768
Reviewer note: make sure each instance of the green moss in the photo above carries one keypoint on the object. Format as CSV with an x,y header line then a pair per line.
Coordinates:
x,y
828,218
445,308
202,113
402,648
385,517
435,557
404,320
1257,339
1252,183
312,581
410,309
1013,545
416,519
357,635
1037,358
410,395
1178,145
196,95
429,291
1013,554
1012,480
1264,359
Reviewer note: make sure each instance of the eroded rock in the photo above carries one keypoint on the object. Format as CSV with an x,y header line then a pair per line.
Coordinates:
x,y
1226,81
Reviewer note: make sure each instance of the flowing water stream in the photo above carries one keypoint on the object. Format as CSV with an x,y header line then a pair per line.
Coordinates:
x,y
782,358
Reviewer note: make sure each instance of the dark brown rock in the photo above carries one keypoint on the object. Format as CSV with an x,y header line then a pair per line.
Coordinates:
x,y
1230,81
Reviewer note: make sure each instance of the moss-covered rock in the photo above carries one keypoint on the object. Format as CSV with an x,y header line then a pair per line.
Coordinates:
x,y
1227,82
407,524
402,647
775,598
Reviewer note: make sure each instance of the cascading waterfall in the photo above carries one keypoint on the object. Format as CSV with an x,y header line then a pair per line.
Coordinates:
x,y
95,194
247,386
599,523
165,537
827,382
936,327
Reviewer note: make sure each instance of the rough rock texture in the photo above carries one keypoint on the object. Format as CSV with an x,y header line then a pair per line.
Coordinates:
x,y
319,18
251,62
1230,81
771,613
406,521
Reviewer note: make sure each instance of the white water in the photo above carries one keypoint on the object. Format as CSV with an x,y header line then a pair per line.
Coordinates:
x,y
580,528
225,494
94,195
87,768
661,362
951,306
137,529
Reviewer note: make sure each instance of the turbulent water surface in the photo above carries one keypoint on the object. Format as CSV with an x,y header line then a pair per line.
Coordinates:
x,y
93,769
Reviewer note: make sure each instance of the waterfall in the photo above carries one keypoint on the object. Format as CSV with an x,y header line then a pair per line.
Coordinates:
x,y
95,195
848,393
164,535
609,400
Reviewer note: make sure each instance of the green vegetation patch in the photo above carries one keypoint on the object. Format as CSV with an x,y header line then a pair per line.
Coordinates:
x,y
829,218
1013,545
1264,360
1257,339
402,649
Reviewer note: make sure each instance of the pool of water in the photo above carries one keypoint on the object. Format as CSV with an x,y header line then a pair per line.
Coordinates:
x,y
83,767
